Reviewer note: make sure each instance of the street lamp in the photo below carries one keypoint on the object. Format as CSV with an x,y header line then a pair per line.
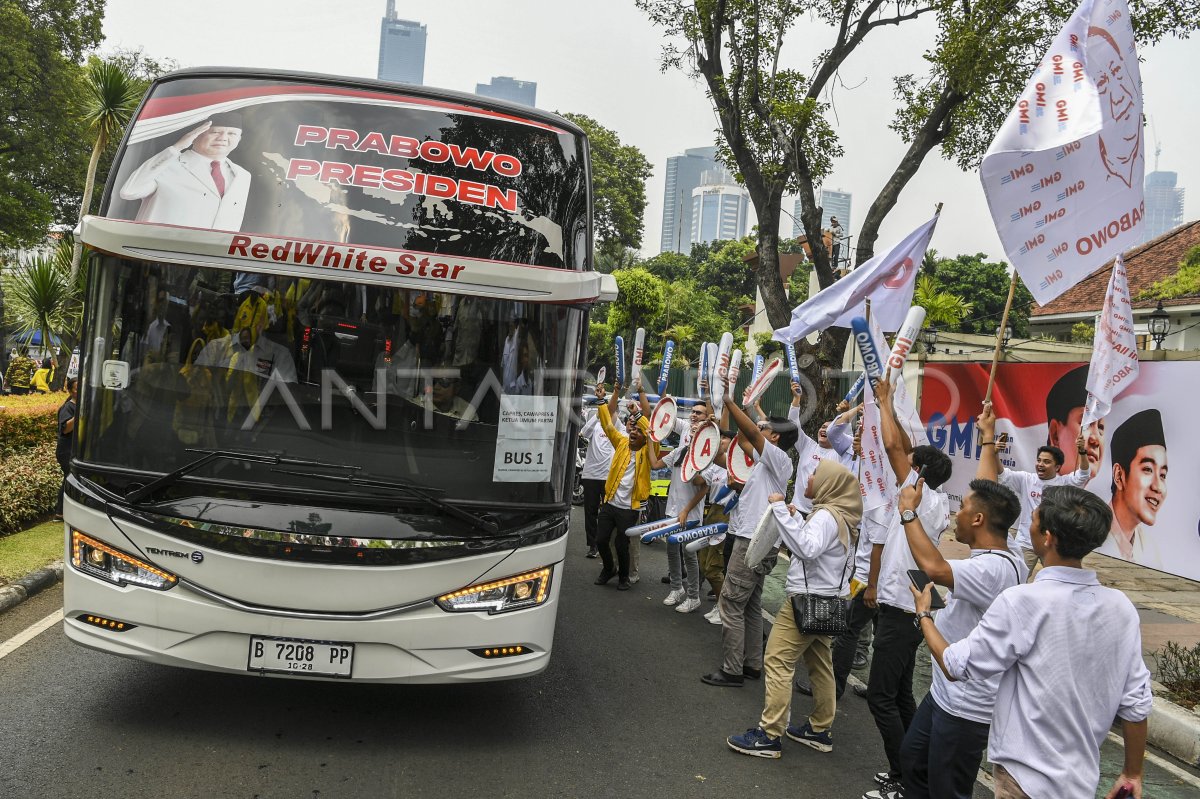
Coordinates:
x,y
1160,325
929,337
1005,335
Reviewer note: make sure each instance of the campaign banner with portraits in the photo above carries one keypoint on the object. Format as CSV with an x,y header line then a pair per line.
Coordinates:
x,y
1138,456
306,168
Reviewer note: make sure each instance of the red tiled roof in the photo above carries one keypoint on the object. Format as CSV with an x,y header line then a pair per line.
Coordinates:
x,y
1146,264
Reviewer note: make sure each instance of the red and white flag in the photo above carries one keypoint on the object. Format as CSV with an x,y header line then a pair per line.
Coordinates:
x,y
1064,175
1114,364
887,280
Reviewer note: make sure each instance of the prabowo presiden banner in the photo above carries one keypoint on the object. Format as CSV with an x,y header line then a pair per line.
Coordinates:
x,y
1063,177
1142,458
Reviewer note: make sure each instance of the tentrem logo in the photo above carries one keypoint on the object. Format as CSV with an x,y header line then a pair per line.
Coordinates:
x,y
1114,228
333,256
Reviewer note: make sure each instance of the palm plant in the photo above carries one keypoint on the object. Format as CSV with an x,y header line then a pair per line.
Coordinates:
x,y
941,307
111,95
41,296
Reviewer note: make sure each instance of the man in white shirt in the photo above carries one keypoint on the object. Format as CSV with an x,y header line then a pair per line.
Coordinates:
x,y
1028,486
246,349
944,744
595,472
741,595
1049,721
889,687
685,503
193,183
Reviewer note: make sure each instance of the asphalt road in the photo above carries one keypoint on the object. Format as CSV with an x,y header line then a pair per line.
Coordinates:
x,y
619,712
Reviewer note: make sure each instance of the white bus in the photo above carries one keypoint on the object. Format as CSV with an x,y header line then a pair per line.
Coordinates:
x,y
335,336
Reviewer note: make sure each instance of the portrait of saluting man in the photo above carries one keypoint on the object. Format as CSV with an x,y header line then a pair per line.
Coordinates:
x,y
1139,487
193,183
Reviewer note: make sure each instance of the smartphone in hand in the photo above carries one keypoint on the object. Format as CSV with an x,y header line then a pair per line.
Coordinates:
x,y
919,580
1124,792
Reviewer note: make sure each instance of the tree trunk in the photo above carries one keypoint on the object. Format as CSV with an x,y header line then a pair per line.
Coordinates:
x,y
931,134
89,186
766,275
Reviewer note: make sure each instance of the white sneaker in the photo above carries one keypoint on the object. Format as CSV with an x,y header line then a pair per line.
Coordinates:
x,y
715,616
675,597
633,578
712,612
688,605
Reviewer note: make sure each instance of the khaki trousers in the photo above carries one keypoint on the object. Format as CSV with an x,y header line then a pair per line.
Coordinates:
x,y
785,646
712,566
1006,786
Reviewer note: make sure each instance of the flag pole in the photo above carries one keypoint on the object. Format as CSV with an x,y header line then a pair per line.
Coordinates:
x,y
1012,288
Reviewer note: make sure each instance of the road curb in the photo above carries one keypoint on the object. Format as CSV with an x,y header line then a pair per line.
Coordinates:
x,y
1176,730
31,584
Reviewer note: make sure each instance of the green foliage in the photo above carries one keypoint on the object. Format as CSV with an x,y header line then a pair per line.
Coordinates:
x,y
1082,333
1184,282
986,284
942,308
29,425
40,295
724,273
31,480
641,303
619,174
670,266
768,347
1178,669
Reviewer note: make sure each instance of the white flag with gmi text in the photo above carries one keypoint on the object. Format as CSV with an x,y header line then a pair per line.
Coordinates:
x,y
1063,177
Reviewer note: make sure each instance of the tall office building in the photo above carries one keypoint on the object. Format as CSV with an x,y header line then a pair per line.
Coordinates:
x,y
515,91
401,48
1164,204
683,176
720,208
833,203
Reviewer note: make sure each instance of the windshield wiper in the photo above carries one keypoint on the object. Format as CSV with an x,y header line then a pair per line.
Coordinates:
x,y
138,494
423,492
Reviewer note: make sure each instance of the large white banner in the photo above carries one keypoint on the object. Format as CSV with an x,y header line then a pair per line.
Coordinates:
x,y
887,280
1063,177
1114,350
1141,457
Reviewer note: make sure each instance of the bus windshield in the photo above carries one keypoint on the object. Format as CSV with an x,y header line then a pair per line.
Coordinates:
x,y
467,396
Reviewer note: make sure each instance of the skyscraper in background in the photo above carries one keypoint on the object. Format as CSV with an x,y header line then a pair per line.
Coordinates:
x,y
720,208
401,48
515,91
833,203
1164,204
683,176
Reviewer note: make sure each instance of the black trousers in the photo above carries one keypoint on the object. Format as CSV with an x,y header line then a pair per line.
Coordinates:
x,y
593,492
889,688
611,524
65,465
845,645
941,754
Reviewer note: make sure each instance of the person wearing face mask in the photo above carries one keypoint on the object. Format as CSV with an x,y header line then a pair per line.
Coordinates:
x,y
821,548
193,183
1028,486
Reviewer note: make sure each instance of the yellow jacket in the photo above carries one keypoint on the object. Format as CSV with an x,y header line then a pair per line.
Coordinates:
x,y
620,460
41,380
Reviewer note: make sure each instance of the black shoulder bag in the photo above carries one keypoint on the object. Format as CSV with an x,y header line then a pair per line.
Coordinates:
x,y
823,615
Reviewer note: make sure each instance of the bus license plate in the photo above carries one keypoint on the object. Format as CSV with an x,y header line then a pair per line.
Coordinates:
x,y
300,657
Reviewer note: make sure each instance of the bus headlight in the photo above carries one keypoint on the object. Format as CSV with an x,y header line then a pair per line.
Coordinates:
x,y
500,596
98,559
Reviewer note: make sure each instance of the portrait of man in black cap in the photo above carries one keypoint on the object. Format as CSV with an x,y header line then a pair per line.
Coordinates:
x,y
193,183
1064,414
1139,487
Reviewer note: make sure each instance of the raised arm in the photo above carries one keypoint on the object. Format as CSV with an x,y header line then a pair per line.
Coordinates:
x,y
839,430
926,555
749,435
895,440
990,466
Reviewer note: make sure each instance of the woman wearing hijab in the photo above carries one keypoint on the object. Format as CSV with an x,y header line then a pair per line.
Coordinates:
x,y
821,546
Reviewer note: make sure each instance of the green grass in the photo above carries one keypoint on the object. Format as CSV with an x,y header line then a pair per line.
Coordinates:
x,y
23,552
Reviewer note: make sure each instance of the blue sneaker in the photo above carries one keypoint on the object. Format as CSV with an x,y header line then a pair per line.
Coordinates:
x,y
821,741
755,742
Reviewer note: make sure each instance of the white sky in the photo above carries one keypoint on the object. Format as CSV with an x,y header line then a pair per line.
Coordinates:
x,y
600,57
